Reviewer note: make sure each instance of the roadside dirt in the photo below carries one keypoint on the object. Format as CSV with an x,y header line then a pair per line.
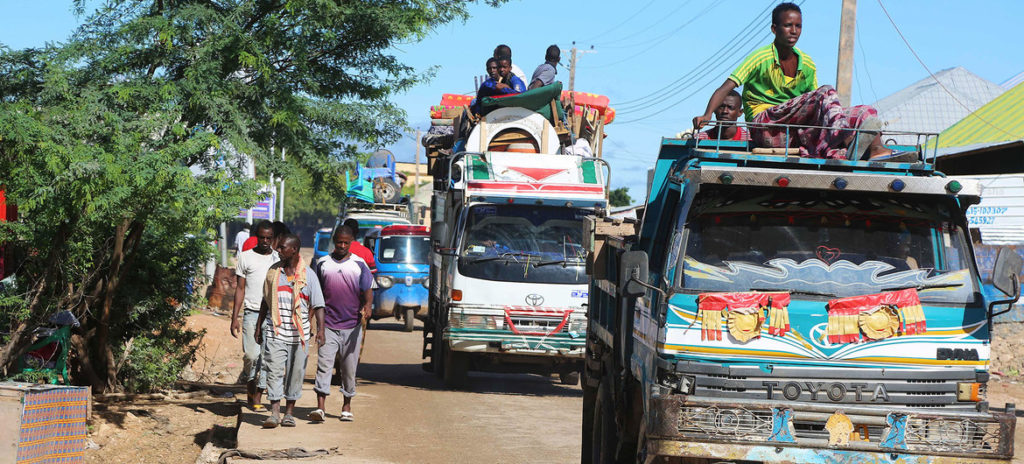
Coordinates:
x,y
500,418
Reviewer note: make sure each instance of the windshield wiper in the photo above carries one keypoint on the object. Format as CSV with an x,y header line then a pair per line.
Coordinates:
x,y
559,261
794,292
506,256
923,287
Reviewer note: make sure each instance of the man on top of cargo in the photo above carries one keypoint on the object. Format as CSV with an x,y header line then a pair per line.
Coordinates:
x,y
780,86
545,73
505,50
729,111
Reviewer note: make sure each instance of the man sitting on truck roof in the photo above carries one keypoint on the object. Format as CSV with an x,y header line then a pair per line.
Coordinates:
x,y
506,84
729,111
780,86
545,73
505,50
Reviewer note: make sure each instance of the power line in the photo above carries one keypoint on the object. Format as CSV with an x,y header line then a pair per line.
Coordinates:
x,y
662,39
641,10
648,27
717,54
971,113
864,60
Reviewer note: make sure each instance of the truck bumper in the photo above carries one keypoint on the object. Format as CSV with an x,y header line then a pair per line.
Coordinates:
x,y
682,426
503,342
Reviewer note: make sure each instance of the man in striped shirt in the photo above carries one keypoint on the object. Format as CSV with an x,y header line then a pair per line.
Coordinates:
x,y
290,291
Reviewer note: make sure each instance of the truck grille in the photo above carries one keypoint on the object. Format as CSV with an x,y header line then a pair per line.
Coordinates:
x,y
935,388
535,324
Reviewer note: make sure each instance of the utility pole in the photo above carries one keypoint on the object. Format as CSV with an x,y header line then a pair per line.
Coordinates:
x,y
281,210
573,52
844,68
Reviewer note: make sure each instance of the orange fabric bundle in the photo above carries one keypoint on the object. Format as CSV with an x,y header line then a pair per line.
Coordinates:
x,y
845,320
711,305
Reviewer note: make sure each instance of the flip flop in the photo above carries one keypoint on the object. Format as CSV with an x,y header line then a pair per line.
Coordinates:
x,y
258,408
317,415
899,157
288,421
347,416
270,423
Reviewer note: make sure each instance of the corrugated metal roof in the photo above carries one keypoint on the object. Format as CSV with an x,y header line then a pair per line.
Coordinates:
x,y
1013,81
1000,120
925,106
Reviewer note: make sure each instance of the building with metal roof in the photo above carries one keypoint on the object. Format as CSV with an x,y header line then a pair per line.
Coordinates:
x,y
927,106
995,130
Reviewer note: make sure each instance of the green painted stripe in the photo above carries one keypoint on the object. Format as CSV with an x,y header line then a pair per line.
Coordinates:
x,y
589,172
479,168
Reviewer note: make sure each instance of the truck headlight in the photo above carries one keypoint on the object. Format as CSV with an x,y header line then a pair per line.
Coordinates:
x,y
384,281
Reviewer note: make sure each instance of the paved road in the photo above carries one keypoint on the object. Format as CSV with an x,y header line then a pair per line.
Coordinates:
x,y
404,414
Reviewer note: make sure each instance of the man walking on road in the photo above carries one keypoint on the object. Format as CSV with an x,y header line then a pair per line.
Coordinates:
x,y
346,282
291,293
250,271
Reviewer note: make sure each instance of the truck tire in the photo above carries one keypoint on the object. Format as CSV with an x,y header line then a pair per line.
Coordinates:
x,y
456,368
410,319
569,377
386,191
605,441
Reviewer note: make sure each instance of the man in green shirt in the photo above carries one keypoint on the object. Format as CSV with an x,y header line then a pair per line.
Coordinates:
x,y
780,86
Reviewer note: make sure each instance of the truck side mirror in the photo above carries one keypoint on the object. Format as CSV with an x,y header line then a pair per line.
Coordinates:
x,y
633,273
1007,270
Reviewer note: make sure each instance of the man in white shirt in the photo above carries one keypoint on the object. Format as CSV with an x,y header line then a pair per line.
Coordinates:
x,y
251,271
241,237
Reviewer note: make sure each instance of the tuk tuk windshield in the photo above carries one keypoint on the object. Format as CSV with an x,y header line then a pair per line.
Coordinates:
x,y
524,243
404,249
831,244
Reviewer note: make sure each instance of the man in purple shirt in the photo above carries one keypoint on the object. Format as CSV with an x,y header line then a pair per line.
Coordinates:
x,y
346,283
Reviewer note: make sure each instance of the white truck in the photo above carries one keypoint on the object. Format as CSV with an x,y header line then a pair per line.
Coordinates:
x,y
508,284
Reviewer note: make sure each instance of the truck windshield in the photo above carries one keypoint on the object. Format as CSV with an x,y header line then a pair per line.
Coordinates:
x,y
524,243
407,249
825,243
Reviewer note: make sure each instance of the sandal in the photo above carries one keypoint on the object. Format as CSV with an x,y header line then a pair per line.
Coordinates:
x,y
317,415
347,416
288,421
258,408
270,423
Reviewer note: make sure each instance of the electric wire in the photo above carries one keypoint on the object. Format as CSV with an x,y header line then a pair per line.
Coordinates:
x,y
646,28
630,18
715,70
657,94
864,59
971,113
662,39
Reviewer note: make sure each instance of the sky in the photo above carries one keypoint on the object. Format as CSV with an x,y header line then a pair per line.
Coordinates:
x,y
659,60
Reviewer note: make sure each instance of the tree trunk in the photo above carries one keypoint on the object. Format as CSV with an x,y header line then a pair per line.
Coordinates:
x,y
127,236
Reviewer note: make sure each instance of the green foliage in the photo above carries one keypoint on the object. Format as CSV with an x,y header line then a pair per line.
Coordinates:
x,y
154,363
620,197
120,147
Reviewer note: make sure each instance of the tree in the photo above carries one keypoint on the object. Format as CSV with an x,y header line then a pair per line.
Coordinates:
x,y
101,139
620,197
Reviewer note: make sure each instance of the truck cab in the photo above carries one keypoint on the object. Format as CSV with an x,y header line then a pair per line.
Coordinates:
x,y
773,308
402,253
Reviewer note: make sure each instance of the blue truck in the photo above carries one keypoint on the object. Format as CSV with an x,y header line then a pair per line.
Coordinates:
x,y
772,308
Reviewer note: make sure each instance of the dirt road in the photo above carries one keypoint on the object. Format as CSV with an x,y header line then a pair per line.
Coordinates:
x,y
404,414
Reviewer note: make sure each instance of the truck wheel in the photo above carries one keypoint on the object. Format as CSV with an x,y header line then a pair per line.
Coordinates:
x,y
386,191
410,318
569,378
605,441
456,368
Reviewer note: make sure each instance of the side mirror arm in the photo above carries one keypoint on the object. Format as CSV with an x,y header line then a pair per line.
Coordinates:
x,y
1009,302
649,287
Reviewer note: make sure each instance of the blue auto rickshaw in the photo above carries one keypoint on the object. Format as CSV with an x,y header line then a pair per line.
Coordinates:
x,y
401,252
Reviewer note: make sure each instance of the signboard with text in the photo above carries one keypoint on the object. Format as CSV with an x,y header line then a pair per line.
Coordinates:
x,y
263,209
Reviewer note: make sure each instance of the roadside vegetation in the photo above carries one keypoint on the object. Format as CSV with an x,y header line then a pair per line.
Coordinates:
x,y
120,148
